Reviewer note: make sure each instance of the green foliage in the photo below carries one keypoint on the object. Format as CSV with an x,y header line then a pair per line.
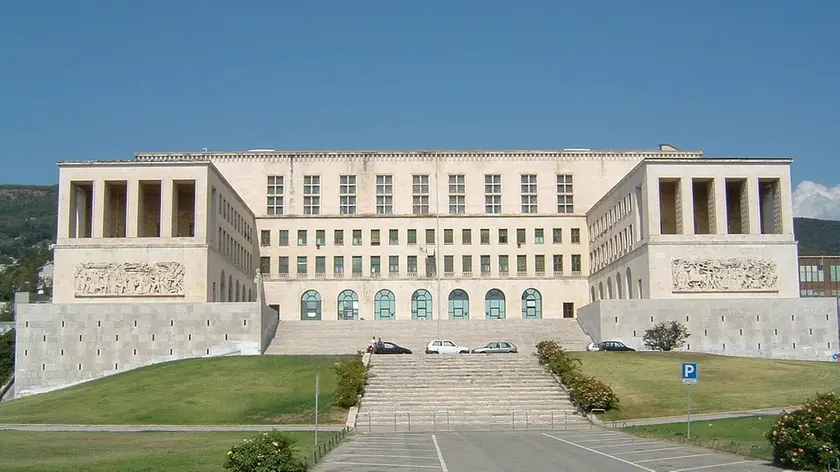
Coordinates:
x,y
7,311
28,215
265,452
808,438
7,355
352,377
666,336
817,237
587,393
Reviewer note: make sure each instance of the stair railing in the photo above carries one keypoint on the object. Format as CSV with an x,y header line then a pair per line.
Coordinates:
x,y
370,428
513,419
408,415
434,420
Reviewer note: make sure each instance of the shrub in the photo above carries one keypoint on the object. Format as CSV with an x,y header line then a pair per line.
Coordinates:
x,y
265,452
562,364
590,393
546,350
352,377
808,438
7,356
666,336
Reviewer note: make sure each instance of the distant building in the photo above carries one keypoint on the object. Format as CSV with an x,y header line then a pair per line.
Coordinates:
x,y
819,276
45,278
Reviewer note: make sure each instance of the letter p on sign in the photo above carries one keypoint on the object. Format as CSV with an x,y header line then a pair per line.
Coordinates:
x,y
689,372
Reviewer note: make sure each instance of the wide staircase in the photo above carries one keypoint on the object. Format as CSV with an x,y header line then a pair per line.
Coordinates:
x,y
349,337
422,392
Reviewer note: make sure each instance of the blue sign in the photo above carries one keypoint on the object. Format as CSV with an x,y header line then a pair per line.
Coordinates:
x,y
689,372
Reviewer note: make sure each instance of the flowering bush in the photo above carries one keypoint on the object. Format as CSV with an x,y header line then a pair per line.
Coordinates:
x,y
265,452
547,350
590,393
808,438
352,377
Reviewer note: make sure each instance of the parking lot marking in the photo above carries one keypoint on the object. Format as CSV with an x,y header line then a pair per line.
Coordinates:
x,y
710,466
389,455
674,457
632,444
373,464
652,450
439,454
600,453
622,442
368,448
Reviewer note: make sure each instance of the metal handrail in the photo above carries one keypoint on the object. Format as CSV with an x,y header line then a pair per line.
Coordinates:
x,y
370,428
407,413
434,420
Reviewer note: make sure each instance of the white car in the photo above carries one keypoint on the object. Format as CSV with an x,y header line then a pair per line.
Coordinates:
x,y
445,346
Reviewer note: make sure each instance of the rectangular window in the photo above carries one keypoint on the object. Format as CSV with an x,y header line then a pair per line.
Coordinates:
x,y
431,266
338,265
503,236
283,265
412,264
338,237
374,237
301,264
576,264
265,265
485,265
811,273
528,190
274,195
557,235
320,265
504,264
520,236
522,265
457,194
430,236
485,236
448,237
412,236
320,237
539,236
394,265
492,193
357,265
565,194
284,237
301,237
347,194
448,264
420,194
265,237
311,194
357,237
539,264
568,310
466,264
557,263
575,235
384,194
393,237
375,266
466,237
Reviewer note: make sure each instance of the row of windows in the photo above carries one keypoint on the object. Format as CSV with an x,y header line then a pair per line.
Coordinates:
x,y
502,236
412,263
612,249
612,216
234,252
234,219
385,305
816,273
420,191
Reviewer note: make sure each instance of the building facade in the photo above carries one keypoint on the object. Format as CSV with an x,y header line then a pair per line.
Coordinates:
x,y
819,276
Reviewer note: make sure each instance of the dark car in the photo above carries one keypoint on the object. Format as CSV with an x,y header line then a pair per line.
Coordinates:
x,y
611,346
391,348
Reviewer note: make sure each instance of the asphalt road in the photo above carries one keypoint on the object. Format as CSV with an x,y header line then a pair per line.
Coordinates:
x,y
516,451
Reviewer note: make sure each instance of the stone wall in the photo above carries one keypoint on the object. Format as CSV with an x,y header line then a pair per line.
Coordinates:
x,y
785,328
63,344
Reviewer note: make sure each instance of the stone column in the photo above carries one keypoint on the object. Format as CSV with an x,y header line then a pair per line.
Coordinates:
x,y
132,207
651,189
754,216
720,206
166,202
202,202
687,202
98,209
65,208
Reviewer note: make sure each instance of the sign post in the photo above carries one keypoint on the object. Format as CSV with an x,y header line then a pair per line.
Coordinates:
x,y
689,378
317,388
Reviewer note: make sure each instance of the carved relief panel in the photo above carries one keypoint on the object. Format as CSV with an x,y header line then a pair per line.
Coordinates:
x,y
129,279
733,274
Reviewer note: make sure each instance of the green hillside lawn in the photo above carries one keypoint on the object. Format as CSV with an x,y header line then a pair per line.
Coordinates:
x,y
648,383
127,452
225,390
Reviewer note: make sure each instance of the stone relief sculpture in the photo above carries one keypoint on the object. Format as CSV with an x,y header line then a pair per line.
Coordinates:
x,y
129,279
734,274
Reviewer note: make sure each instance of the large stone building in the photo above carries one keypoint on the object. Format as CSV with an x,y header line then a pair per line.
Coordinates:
x,y
163,249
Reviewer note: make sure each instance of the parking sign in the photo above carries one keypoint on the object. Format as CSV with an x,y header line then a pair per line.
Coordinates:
x,y
689,373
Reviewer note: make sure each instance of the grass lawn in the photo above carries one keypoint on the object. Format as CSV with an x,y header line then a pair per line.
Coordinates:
x,y
737,435
126,452
648,383
223,390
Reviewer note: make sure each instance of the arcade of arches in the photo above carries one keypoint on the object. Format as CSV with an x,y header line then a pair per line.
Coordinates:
x,y
616,287
385,305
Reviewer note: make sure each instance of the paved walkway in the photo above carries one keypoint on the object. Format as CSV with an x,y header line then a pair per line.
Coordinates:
x,y
137,428
694,417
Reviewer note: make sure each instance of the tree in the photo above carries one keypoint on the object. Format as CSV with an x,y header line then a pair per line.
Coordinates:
x,y
7,355
666,336
7,311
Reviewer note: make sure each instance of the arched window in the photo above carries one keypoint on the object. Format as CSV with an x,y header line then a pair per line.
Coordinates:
x,y
629,279
459,305
600,290
348,305
251,295
531,304
238,297
421,305
384,305
618,287
494,305
222,290
230,288
609,288
592,294
310,305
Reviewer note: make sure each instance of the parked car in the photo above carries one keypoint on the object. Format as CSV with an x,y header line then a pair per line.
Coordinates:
x,y
497,347
391,348
445,346
609,346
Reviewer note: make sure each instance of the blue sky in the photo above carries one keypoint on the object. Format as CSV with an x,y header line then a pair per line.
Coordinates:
x,y
97,79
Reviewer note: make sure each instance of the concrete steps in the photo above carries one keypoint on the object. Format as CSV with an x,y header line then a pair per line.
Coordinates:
x,y
348,337
463,392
